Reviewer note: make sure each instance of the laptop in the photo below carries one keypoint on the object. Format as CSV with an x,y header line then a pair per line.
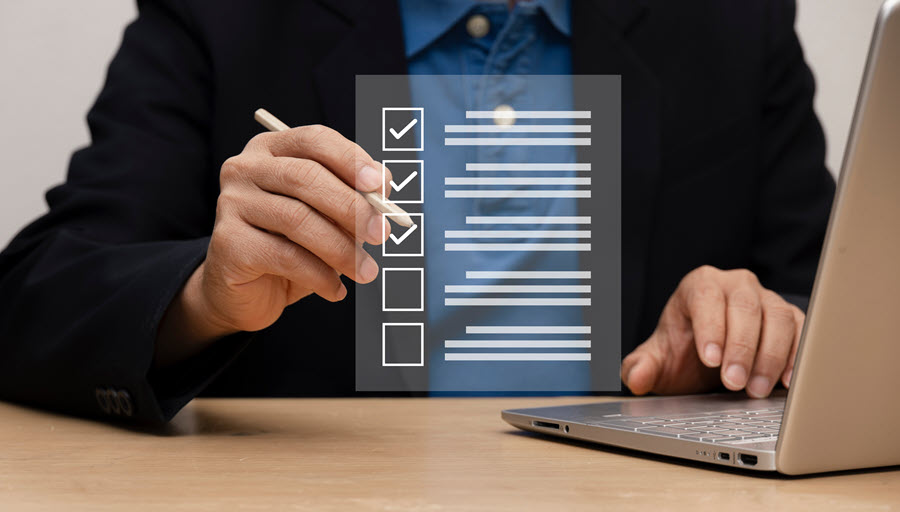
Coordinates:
x,y
842,410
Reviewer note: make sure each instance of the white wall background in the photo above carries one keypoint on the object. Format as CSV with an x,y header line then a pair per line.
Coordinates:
x,y
53,56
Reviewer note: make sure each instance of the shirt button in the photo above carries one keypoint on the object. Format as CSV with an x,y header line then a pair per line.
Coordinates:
x,y
478,26
504,115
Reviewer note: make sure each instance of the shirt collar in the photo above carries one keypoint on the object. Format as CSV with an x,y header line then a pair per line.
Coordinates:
x,y
560,14
424,21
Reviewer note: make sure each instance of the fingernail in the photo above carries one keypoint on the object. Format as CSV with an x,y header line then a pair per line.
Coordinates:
x,y
758,387
368,179
376,229
787,378
713,354
342,293
736,376
368,270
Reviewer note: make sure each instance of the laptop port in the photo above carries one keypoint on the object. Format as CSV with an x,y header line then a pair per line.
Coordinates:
x,y
724,456
747,460
544,424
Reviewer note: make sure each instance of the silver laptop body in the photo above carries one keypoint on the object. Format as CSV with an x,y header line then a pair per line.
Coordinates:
x,y
843,407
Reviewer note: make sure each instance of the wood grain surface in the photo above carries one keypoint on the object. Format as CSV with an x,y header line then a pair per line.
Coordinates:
x,y
432,454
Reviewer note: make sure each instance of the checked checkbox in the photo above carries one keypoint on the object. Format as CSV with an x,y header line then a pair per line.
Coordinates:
x,y
405,241
408,183
402,128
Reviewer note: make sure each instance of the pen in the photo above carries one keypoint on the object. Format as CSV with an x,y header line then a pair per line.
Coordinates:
x,y
397,214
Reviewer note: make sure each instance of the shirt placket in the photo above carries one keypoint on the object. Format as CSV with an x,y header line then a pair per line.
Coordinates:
x,y
502,85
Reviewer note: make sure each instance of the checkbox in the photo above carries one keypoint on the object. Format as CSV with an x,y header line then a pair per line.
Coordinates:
x,y
405,241
407,183
403,289
402,128
403,344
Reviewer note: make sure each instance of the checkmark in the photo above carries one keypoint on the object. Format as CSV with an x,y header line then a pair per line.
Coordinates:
x,y
405,129
401,238
409,178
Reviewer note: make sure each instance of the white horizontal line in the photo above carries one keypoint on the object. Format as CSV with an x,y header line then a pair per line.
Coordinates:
x,y
528,114
517,141
532,356
516,193
528,167
517,181
518,302
525,219
527,274
512,288
523,233
517,128
517,247
517,344
528,329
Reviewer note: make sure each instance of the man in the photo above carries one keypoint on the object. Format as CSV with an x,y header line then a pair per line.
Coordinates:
x,y
172,242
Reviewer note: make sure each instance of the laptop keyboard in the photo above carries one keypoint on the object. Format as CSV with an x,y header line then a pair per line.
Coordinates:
x,y
731,426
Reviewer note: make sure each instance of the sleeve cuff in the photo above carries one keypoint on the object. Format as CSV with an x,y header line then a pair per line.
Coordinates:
x,y
170,389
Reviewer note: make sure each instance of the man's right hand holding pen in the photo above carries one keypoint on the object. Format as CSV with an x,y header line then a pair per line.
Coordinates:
x,y
289,222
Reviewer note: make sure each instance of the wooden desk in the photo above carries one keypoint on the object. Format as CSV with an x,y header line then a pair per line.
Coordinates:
x,y
373,454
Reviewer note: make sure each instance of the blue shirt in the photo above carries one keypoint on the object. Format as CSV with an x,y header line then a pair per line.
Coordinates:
x,y
531,39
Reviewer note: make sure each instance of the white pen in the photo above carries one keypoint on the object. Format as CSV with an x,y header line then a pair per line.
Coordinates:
x,y
395,213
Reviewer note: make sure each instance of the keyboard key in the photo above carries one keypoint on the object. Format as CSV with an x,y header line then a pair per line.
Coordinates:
x,y
664,431
754,436
706,437
747,440
622,424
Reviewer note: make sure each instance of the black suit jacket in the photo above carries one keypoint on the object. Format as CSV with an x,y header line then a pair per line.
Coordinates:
x,y
722,165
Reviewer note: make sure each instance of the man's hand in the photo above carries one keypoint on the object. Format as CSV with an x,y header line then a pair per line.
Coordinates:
x,y
289,223
718,319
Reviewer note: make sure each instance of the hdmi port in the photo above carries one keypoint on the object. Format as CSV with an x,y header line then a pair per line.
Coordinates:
x,y
544,424
747,460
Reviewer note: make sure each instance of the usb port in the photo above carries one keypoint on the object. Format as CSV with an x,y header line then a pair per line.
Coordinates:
x,y
747,460
545,424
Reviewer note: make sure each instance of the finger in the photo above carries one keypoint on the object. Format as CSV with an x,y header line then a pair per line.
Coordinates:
x,y
743,323
386,182
641,368
315,185
704,303
347,160
799,319
309,229
276,255
777,336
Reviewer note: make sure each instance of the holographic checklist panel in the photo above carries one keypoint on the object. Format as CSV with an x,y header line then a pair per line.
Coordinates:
x,y
510,278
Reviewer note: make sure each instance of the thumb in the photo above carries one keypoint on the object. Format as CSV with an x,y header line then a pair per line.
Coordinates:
x,y
642,368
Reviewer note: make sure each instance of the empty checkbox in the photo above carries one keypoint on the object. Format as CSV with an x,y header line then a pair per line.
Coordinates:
x,y
403,289
403,344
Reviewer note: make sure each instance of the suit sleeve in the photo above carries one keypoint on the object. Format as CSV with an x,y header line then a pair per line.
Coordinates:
x,y
83,288
796,189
